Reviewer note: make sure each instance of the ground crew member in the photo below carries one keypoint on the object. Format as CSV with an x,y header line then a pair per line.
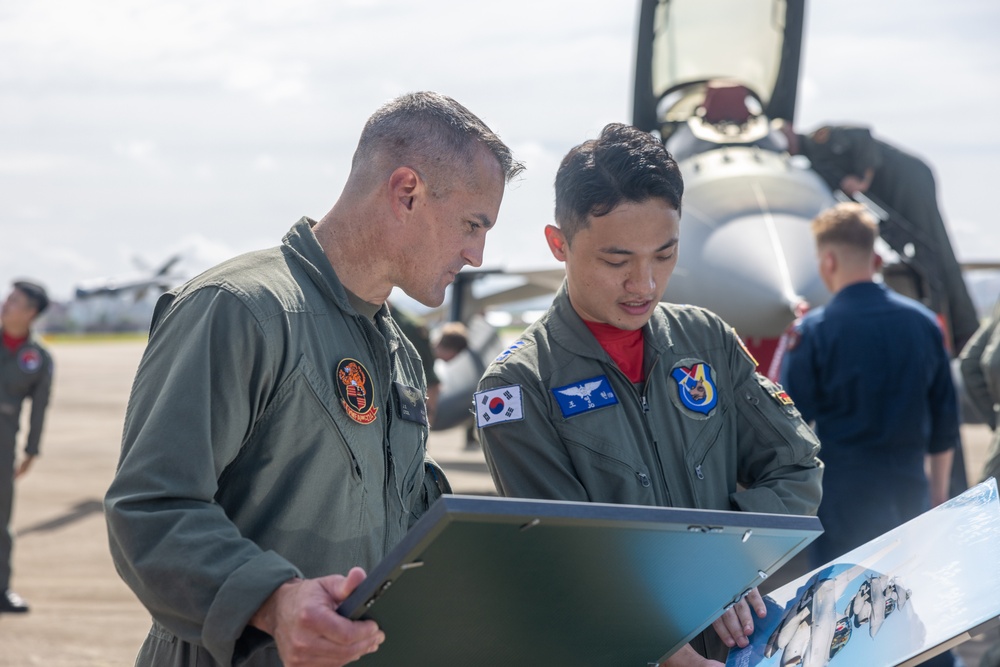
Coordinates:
x,y
852,160
275,437
614,397
25,372
871,370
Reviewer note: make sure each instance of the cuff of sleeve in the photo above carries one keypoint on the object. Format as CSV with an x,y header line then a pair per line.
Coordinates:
x,y
761,499
238,600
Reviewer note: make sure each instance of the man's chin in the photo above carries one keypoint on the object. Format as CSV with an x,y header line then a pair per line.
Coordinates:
x,y
432,300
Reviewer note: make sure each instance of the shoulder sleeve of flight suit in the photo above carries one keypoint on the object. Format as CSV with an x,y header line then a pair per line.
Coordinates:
x,y
777,452
526,457
39,404
202,382
977,385
990,362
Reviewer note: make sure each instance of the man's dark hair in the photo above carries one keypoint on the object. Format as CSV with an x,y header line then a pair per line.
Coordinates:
x,y
429,131
36,294
624,164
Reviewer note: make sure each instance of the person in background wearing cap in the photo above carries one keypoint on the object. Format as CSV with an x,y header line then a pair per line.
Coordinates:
x,y
274,445
614,397
25,372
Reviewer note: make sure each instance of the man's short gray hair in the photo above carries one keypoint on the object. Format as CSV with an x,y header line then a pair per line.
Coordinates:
x,y
429,131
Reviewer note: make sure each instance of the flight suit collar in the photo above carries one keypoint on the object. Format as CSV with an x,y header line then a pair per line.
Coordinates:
x,y
569,330
302,244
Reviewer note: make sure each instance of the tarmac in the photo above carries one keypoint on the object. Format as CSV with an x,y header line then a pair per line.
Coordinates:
x,y
82,614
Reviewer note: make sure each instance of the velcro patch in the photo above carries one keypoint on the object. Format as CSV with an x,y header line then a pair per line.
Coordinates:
x,y
496,406
585,395
780,395
502,357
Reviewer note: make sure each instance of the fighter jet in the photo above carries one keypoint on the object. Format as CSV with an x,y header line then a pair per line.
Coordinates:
x,y
713,78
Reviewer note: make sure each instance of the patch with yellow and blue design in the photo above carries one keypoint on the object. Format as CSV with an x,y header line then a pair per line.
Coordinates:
x,y
696,387
585,395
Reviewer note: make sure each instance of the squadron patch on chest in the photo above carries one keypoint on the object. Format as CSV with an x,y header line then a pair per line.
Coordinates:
x,y
585,396
496,406
696,389
29,360
357,391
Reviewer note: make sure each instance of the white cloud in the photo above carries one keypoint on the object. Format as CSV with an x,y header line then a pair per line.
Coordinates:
x,y
161,123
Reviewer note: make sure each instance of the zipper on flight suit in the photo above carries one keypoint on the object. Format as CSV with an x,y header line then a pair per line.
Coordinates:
x,y
650,442
387,405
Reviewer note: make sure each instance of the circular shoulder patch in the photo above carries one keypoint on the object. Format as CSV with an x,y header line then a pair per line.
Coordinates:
x,y
357,391
30,360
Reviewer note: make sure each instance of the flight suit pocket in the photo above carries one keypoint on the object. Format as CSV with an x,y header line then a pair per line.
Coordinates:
x,y
608,472
771,412
330,404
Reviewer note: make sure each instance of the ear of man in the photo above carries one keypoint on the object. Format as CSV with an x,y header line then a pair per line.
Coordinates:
x,y
404,186
557,242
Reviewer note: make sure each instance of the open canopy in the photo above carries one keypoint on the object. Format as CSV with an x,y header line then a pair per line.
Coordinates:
x,y
685,44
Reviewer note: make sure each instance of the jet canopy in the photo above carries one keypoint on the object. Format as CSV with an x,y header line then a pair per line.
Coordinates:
x,y
740,48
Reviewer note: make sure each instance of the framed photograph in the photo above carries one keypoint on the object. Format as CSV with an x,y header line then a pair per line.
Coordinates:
x,y
498,581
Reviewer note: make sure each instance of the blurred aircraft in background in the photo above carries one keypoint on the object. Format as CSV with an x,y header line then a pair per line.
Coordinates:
x,y
158,280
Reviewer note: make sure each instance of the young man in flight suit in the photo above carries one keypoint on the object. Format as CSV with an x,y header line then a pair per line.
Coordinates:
x,y
25,372
275,438
614,397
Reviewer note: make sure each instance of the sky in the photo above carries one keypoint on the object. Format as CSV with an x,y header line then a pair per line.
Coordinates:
x,y
131,131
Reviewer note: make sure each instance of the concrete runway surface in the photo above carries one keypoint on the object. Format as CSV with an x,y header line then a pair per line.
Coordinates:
x,y
82,615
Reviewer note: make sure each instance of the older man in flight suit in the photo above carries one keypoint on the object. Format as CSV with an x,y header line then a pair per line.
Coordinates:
x,y
276,433
25,372
614,397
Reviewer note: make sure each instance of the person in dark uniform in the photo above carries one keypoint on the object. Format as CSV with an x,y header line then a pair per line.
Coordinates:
x,y
25,372
850,159
871,371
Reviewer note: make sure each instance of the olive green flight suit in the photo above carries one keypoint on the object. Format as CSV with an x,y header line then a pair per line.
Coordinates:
x,y
751,451
980,366
578,429
24,373
248,458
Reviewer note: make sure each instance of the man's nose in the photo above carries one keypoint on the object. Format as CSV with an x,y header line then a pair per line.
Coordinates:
x,y
641,280
473,254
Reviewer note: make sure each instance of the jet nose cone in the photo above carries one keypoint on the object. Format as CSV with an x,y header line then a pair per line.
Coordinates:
x,y
751,270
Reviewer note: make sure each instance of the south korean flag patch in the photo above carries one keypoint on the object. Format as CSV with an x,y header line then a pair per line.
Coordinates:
x,y
496,406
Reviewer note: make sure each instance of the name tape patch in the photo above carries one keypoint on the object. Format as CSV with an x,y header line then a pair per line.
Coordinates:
x,y
585,395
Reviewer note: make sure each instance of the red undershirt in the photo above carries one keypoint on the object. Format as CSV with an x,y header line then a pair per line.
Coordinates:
x,y
12,343
625,347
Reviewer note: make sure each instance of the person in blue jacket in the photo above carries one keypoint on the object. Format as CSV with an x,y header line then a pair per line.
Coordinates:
x,y
871,371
